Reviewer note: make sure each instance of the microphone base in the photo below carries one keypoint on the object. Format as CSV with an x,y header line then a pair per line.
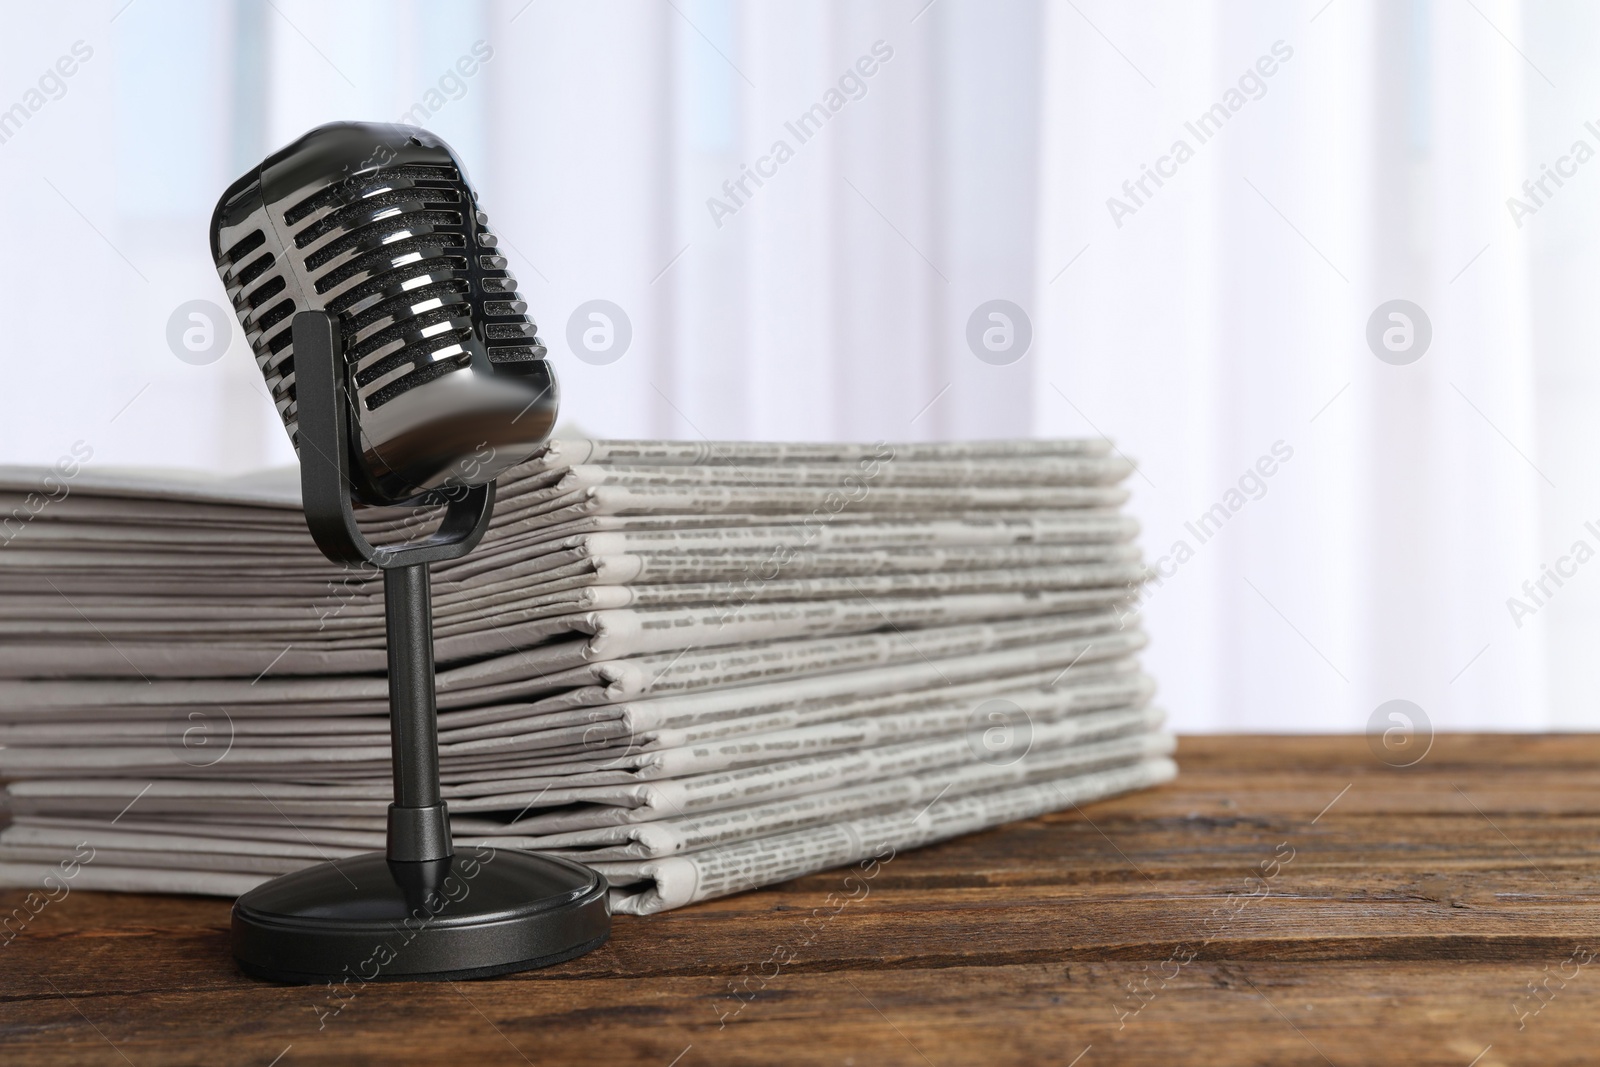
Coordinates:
x,y
369,919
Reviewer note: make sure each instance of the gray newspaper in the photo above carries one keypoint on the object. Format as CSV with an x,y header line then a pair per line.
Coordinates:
x,y
700,667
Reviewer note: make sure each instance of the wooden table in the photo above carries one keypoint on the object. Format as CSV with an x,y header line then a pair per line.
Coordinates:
x,y
1286,901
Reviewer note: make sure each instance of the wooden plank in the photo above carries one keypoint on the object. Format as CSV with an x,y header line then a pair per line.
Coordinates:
x,y
1402,916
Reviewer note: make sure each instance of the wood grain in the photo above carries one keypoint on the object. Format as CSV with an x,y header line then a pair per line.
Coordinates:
x,y
1403,919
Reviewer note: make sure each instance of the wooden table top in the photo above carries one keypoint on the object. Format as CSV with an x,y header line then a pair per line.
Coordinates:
x,y
1286,901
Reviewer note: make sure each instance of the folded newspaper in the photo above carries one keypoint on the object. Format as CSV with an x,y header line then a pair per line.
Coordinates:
x,y
697,667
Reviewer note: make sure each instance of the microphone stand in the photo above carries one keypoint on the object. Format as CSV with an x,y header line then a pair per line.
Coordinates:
x,y
417,911
419,823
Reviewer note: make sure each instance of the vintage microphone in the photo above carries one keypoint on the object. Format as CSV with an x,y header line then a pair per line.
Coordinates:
x,y
407,373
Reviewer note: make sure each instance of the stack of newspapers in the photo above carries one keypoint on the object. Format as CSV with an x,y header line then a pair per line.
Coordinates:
x,y
697,667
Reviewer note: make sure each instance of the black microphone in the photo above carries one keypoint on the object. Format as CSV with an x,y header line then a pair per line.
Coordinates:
x,y
407,372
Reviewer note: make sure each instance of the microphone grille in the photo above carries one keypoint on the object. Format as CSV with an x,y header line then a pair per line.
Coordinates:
x,y
255,281
398,250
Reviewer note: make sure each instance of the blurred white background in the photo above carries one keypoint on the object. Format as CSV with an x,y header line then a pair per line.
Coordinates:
x,y
1224,315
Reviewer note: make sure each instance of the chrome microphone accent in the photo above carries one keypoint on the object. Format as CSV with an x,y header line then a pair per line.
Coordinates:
x,y
378,225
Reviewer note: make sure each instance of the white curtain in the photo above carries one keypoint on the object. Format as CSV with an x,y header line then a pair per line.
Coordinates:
x,y
937,157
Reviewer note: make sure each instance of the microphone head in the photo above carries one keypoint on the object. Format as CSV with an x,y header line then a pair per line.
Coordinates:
x,y
447,380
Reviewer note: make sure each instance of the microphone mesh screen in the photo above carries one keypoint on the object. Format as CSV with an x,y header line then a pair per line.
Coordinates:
x,y
403,256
